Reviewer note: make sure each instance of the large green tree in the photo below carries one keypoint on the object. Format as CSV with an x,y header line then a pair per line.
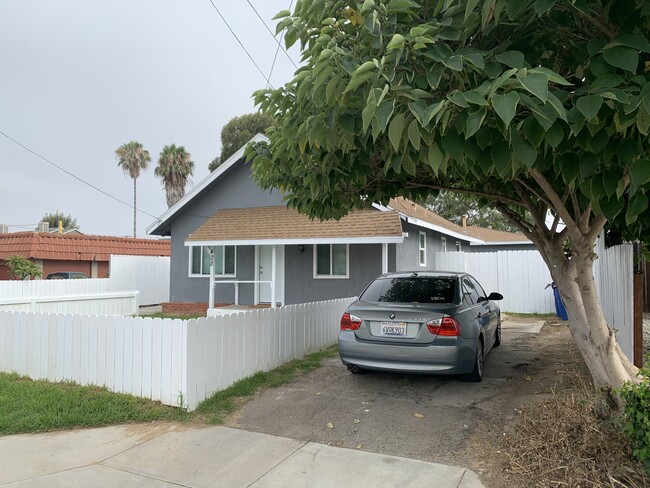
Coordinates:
x,y
542,106
133,158
237,132
454,205
175,167
53,219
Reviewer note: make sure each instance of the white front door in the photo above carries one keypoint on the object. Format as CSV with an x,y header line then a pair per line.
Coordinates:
x,y
265,270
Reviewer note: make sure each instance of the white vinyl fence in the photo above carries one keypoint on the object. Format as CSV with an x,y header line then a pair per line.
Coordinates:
x,y
164,359
614,274
520,276
134,281
147,274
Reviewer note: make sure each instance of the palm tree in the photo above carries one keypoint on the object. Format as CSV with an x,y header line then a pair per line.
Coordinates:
x,y
174,167
132,158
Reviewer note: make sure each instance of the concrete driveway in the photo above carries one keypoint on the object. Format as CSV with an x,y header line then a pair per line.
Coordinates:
x,y
418,417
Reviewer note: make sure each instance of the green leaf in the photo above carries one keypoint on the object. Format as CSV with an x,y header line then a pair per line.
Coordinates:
x,y
514,59
433,78
554,136
643,120
454,62
395,130
414,134
358,79
432,111
623,57
523,151
469,7
543,6
368,113
435,158
500,154
639,172
281,14
458,99
475,98
506,106
588,165
452,144
610,80
487,12
383,113
552,76
535,83
534,131
589,105
638,204
557,105
612,207
397,42
610,182
474,120
635,41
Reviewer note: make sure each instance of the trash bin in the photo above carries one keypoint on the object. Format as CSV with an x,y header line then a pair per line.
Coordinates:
x,y
560,311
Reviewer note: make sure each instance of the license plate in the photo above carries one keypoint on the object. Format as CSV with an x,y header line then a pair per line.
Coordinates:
x,y
393,329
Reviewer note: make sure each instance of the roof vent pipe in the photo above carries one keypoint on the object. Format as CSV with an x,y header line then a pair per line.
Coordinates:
x,y
463,219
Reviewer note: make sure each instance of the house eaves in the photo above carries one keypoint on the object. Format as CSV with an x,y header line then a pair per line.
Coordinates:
x,y
442,230
162,224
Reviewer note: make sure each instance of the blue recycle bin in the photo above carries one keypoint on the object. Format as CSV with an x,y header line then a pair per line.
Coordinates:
x,y
560,311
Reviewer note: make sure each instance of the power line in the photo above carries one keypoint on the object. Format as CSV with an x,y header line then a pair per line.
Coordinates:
x,y
75,176
272,35
240,43
278,48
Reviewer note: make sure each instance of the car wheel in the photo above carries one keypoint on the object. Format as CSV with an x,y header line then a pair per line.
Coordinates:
x,y
497,335
477,373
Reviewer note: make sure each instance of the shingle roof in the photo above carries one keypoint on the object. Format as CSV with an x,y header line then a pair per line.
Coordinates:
x,y
412,209
283,223
491,235
73,247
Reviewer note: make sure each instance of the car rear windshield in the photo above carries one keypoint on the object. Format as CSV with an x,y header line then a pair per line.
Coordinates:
x,y
411,290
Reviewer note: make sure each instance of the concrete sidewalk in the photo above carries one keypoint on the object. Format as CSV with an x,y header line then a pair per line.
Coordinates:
x,y
170,455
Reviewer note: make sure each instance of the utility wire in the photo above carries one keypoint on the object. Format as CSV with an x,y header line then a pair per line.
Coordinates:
x,y
75,176
240,43
278,48
273,35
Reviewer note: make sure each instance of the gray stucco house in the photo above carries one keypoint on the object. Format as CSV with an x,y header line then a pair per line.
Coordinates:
x,y
244,243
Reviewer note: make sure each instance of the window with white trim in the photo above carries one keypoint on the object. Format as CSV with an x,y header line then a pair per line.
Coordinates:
x,y
331,261
224,260
422,249
458,247
443,244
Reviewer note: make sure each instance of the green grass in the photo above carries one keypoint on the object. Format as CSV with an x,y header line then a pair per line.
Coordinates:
x,y
160,315
531,315
39,406
214,409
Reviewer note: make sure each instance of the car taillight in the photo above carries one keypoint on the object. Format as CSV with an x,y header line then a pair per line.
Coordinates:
x,y
446,326
350,322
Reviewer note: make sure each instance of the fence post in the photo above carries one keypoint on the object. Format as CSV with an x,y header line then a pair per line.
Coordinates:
x,y
638,320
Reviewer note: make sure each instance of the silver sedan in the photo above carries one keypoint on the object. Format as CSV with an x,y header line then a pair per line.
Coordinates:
x,y
421,322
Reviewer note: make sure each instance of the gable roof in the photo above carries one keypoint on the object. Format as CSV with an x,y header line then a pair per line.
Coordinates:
x,y
75,247
162,225
284,225
492,236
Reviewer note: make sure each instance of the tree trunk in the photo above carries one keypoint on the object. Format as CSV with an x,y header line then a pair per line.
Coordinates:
x,y
134,207
574,278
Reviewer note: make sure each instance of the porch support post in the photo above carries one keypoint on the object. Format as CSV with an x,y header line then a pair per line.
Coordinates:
x,y
211,294
384,258
273,256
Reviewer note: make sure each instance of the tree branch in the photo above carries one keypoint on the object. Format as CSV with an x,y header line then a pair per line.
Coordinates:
x,y
554,198
541,197
497,198
596,227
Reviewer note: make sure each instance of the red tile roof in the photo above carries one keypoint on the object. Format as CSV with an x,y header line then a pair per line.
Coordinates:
x,y
72,247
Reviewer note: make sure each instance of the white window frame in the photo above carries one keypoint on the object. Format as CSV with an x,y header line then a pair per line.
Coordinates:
x,y
217,275
459,247
330,276
443,241
422,249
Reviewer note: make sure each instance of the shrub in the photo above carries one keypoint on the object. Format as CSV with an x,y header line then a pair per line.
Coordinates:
x,y
636,415
21,268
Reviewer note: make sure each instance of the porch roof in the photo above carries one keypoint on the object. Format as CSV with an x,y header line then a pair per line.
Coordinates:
x,y
282,225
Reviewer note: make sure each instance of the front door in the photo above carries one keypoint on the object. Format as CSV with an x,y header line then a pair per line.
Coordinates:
x,y
265,270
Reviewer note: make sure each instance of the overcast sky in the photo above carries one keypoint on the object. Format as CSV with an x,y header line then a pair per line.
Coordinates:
x,y
79,78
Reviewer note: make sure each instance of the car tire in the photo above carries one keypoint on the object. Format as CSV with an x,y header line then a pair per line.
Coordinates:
x,y
477,373
497,335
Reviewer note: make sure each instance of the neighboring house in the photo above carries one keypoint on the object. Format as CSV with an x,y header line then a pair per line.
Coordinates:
x,y
72,252
254,240
498,240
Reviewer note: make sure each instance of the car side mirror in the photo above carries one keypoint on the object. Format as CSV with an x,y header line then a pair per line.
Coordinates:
x,y
495,296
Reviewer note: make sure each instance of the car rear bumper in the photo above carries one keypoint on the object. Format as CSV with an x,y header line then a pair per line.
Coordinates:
x,y
455,357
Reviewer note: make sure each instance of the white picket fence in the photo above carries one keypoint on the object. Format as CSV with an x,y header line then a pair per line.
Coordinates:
x,y
148,274
164,359
520,276
109,303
